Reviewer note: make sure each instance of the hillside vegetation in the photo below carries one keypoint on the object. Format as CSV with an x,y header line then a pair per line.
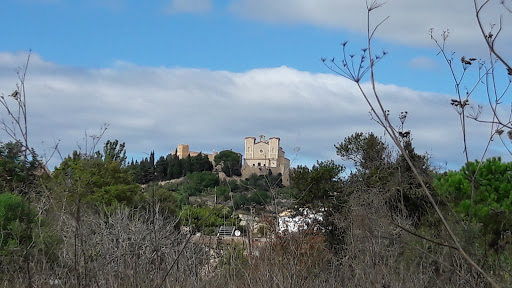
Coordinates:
x,y
90,223
391,220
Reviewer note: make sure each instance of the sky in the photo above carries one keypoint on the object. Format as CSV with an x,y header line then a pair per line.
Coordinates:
x,y
210,73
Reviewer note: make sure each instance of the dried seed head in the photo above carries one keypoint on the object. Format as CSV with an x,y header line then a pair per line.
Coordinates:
x,y
15,94
509,134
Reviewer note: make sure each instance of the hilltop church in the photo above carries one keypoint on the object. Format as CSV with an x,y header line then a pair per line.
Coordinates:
x,y
265,155
260,157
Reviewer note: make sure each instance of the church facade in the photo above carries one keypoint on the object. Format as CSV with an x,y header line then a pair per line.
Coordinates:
x,y
264,155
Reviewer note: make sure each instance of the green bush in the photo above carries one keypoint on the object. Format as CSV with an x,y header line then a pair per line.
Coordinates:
x,y
493,186
230,162
222,192
240,200
164,197
16,220
259,197
204,218
96,180
203,179
198,182
492,197
15,170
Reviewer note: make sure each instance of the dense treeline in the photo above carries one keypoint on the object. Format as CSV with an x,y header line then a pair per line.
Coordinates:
x,y
171,167
167,168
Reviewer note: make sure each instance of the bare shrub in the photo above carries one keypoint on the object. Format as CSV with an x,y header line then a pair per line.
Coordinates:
x,y
293,260
383,249
120,248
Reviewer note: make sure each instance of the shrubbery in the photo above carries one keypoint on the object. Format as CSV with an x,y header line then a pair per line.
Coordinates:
x,y
207,219
491,194
16,221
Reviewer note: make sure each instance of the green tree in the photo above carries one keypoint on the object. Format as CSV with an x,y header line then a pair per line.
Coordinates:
x,y
186,165
405,187
316,184
206,219
96,179
381,170
198,182
162,196
114,151
161,169
24,235
135,171
147,170
259,197
16,219
201,163
175,167
15,170
230,162
222,192
241,200
367,151
491,202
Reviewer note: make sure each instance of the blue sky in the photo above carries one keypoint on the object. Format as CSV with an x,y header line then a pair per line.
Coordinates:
x,y
93,35
209,73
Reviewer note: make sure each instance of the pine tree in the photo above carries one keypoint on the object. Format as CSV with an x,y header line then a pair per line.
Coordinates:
x,y
161,168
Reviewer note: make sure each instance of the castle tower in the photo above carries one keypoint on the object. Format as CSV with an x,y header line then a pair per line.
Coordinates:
x,y
183,151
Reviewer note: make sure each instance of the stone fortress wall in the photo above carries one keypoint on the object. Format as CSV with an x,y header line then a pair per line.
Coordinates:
x,y
183,150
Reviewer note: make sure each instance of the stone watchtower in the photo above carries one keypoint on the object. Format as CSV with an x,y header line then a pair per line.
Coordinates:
x,y
183,151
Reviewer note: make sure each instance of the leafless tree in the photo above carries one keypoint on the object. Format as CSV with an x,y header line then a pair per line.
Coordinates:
x,y
355,68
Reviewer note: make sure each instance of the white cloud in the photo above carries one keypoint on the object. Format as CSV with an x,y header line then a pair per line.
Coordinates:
x,y
14,61
189,6
158,108
408,23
